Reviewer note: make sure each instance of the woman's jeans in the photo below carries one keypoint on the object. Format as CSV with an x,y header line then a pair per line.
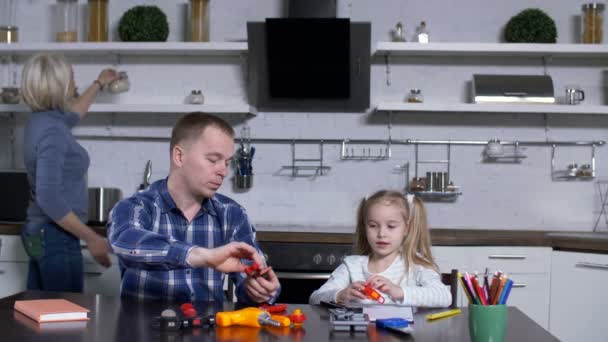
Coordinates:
x,y
55,258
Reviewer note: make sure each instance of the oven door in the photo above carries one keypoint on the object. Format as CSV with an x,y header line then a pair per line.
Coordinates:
x,y
296,287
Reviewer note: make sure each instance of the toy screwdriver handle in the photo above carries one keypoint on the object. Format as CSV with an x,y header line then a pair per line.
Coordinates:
x,y
250,317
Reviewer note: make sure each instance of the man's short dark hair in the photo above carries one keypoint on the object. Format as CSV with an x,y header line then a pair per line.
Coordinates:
x,y
191,126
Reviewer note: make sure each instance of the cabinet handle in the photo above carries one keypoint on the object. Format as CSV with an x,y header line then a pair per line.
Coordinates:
x,y
94,272
519,285
591,265
506,256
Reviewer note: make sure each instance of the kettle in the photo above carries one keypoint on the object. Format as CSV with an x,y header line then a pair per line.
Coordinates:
x,y
101,201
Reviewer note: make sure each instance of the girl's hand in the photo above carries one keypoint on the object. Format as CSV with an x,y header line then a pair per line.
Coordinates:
x,y
386,286
352,292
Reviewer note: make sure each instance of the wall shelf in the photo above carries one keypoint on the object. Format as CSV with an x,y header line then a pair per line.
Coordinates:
x,y
490,108
491,49
136,49
149,108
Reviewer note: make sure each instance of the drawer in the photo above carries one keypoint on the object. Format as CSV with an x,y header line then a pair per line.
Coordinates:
x,y
531,294
511,259
11,249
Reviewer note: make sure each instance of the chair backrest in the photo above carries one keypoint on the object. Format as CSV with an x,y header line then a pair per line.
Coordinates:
x,y
451,280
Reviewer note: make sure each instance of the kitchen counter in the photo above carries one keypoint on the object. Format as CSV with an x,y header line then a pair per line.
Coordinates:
x,y
573,241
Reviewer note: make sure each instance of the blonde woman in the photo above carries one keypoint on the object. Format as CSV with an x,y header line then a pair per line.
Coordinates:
x,y
57,167
394,247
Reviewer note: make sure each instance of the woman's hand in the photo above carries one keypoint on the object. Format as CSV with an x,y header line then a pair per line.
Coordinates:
x,y
386,286
99,249
107,76
352,292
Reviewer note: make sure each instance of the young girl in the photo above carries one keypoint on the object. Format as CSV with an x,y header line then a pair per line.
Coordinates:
x,y
395,246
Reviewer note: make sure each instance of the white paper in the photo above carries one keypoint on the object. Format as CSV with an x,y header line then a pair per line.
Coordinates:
x,y
388,311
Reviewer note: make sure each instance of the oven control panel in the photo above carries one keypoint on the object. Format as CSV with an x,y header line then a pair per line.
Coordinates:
x,y
298,256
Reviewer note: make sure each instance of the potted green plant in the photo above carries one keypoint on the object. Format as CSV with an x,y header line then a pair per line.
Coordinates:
x,y
531,25
143,24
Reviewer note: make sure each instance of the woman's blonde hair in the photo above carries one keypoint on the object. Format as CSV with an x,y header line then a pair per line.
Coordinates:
x,y
45,82
416,247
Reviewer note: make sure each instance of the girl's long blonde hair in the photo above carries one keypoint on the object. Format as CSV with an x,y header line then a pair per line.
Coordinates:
x,y
416,247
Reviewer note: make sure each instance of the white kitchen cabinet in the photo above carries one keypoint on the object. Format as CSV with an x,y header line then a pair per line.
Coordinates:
x,y
13,265
579,301
528,267
530,270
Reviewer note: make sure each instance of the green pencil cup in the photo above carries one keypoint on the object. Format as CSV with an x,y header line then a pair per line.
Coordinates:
x,y
487,323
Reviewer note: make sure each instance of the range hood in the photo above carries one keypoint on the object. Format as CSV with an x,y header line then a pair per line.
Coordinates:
x,y
311,9
513,89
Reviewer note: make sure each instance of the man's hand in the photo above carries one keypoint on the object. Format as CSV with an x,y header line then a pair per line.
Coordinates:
x,y
226,259
351,293
99,249
262,288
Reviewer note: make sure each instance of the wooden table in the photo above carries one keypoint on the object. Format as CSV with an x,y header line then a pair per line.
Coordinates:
x,y
113,319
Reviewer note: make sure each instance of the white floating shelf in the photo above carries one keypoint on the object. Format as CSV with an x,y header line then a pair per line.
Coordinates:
x,y
119,48
150,108
490,108
491,49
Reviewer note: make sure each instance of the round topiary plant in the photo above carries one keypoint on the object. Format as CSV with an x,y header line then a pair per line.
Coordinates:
x,y
531,26
143,24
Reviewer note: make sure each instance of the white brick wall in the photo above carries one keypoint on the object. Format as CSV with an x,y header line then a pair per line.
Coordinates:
x,y
501,196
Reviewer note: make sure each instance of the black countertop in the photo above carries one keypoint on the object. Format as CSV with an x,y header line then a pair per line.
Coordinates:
x,y
113,319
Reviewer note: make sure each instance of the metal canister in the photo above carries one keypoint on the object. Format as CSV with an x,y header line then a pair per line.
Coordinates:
x,y
428,185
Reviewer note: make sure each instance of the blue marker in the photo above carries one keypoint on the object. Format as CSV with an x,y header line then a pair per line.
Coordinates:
x,y
505,292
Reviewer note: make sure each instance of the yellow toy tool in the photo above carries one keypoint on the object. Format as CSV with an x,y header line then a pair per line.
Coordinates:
x,y
250,317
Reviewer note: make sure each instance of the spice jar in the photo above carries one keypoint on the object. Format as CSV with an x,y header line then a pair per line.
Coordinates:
x,y
196,97
199,21
422,33
9,33
592,21
98,21
415,96
67,20
119,85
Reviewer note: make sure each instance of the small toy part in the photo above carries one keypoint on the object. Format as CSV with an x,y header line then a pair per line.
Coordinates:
x,y
372,294
188,310
170,321
297,317
276,308
345,320
253,270
392,323
251,317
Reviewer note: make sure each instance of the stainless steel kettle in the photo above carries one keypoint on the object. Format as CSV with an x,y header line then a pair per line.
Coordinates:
x,y
101,201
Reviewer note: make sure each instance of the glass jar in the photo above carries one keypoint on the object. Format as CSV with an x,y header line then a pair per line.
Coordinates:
x,y
121,84
67,21
422,33
592,21
9,33
196,97
98,21
199,21
415,96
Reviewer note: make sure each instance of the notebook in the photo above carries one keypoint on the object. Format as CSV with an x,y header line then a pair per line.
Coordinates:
x,y
51,310
384,311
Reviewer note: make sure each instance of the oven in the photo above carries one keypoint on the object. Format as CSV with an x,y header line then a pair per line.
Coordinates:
x,y
303,267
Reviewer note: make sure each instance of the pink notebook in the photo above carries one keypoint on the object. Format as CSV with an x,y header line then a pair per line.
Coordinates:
x,y
51,310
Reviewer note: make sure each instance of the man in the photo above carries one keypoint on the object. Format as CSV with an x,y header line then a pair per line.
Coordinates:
x,y
177,239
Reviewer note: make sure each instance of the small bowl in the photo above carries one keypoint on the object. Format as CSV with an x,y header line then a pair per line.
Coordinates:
x,y
10,95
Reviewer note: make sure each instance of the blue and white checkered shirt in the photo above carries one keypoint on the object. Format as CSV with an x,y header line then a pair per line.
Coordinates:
x,y
151,238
